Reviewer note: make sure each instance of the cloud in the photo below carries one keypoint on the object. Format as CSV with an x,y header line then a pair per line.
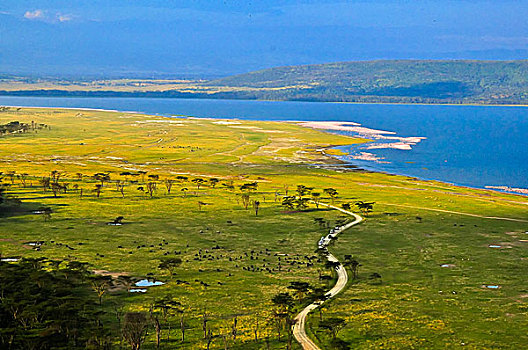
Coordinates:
x,y
64,18
37,14
42,15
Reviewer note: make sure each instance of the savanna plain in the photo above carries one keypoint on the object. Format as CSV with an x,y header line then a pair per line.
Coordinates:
x,y
225,213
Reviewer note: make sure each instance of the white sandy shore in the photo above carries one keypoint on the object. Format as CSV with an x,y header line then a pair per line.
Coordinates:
x,y
509,189
402,143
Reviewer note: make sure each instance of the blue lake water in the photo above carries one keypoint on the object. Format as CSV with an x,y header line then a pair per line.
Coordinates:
x,y
468,145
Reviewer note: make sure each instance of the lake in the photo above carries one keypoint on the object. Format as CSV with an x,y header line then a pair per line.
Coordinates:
x,y
474,146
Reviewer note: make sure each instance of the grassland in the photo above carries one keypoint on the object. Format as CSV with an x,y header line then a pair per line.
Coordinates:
x,y
407,238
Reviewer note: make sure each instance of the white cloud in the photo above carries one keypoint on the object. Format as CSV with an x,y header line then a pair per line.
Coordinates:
x,y
37,14
64,18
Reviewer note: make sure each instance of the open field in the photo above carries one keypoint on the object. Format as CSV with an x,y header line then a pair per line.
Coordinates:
x,y
234,262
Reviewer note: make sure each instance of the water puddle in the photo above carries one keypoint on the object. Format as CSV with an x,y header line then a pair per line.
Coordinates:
x,y
148,283
447,265
491,286
138,290
9,259
494,246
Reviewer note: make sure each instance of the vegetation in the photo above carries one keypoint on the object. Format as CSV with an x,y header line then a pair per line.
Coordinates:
x,y
236,273
387,81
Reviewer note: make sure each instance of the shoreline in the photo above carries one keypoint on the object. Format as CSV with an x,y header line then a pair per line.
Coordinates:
x,y
493,189
270,100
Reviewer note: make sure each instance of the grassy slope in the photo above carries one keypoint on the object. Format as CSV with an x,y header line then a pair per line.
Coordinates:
x,y
398,81
407,309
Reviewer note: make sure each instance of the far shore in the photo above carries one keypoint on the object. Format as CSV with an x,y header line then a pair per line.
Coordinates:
x,y
118,94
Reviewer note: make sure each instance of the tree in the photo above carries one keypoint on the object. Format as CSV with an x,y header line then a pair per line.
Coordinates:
x,y
345,206
151,187
168,185
213,181
332,193
353,264
245,200
135,329
121,188
303,190
142,173
55,188
45,212
319,295
102,177
182,178
23,179
315,198
333,324
184,190
45,183
300,289
97,189
284,304
170,264
250,186
288,202
154,316
198,182
201,204
375,278
100,285
365,207
166,306
42,309
329,264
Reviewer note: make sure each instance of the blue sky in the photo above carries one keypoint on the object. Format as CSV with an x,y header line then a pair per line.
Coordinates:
x,y
215,38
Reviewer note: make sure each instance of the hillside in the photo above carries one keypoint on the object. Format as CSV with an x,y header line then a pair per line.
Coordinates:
x,y
401,81
394,81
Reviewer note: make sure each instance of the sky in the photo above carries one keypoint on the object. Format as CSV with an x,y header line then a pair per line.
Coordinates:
x,y
193,38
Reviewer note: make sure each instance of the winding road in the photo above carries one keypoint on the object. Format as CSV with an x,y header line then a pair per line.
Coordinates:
x,y
342,279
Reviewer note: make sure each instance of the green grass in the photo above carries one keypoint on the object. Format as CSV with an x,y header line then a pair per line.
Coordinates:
x,y
413,307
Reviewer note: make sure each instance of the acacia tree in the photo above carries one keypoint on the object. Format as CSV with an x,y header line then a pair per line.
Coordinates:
x,y
120,185
198,182
300,289
332,193
319,295
168,185
333,324
213,181
170,264
245,200
365,207
201,204
98,189
284,305
135,327
315,197
100,285
45,183
353,264
182,178
102,177
151,188
346,206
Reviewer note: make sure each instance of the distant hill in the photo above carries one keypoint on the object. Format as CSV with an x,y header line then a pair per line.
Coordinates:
x,y
396,81
392,81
